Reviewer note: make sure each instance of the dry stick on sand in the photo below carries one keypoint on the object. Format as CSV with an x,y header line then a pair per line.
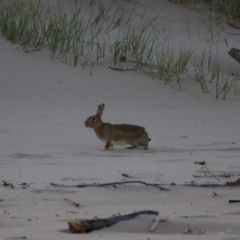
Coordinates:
x,y
74,203
207,184
234,201
114,184
116,69
86,225
218,184
126,175
211,174
200,163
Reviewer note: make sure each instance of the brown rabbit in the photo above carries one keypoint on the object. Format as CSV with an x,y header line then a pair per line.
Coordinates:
x,y
117,134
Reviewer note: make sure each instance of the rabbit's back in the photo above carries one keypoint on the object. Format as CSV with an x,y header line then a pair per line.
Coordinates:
x,y
121,134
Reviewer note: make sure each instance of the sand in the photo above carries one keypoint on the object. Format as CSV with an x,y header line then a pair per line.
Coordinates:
x,y
43,106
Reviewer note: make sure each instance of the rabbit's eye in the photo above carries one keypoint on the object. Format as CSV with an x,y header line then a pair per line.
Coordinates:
x,y
93,119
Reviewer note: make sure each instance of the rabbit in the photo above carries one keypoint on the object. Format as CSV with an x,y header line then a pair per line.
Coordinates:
x,y
117,134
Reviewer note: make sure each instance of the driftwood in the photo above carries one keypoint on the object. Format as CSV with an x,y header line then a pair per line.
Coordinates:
x,y
234,201
214,184
205,184
86,225
114,184
235,53
192,184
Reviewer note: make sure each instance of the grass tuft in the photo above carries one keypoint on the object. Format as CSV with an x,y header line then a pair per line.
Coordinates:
x,y
77,39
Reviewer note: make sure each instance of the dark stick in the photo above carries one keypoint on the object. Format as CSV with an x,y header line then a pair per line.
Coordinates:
x,y
74,203
234,201
116,69
205,184
110,184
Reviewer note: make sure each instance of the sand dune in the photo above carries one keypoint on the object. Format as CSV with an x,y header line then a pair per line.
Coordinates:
x,y
43,106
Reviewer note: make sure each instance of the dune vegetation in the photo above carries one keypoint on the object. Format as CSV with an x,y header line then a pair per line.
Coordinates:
x,y
110,33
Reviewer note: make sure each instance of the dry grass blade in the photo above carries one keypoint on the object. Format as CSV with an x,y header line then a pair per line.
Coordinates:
x,y
210,174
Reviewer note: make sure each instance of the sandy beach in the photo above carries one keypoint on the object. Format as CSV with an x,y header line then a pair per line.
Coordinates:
x,y
43,106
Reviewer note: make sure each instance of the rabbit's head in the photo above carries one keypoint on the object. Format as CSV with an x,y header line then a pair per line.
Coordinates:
x,y
95,121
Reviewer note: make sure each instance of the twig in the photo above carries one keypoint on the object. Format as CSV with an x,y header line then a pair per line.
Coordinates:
x,y
116,69
206,184
16,238
234,201
126,175
110,184
156,221
218,184
197,176
200,163
74,203
209,173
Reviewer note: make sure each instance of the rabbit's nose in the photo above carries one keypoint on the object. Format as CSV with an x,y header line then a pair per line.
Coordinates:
x,y
86,124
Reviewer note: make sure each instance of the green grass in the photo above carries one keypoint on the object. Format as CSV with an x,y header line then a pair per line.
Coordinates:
x,y
107,34
229,7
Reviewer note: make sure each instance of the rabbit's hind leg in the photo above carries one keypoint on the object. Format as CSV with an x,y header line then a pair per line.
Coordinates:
x,y
144,145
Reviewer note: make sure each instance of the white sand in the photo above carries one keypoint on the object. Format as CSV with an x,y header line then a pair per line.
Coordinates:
x,y
43,106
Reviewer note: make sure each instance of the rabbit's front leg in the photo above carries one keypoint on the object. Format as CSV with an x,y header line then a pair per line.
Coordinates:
x,y
107,145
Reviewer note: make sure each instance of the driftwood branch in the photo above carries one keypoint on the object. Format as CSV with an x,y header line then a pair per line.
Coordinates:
x,y
212,184
114,184
86,225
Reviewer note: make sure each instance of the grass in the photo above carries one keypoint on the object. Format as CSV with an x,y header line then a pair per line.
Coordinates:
x,y
229,7
34,25
107,33
172,67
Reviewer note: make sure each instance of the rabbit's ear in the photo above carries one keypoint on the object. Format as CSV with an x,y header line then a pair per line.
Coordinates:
x,y
100,109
